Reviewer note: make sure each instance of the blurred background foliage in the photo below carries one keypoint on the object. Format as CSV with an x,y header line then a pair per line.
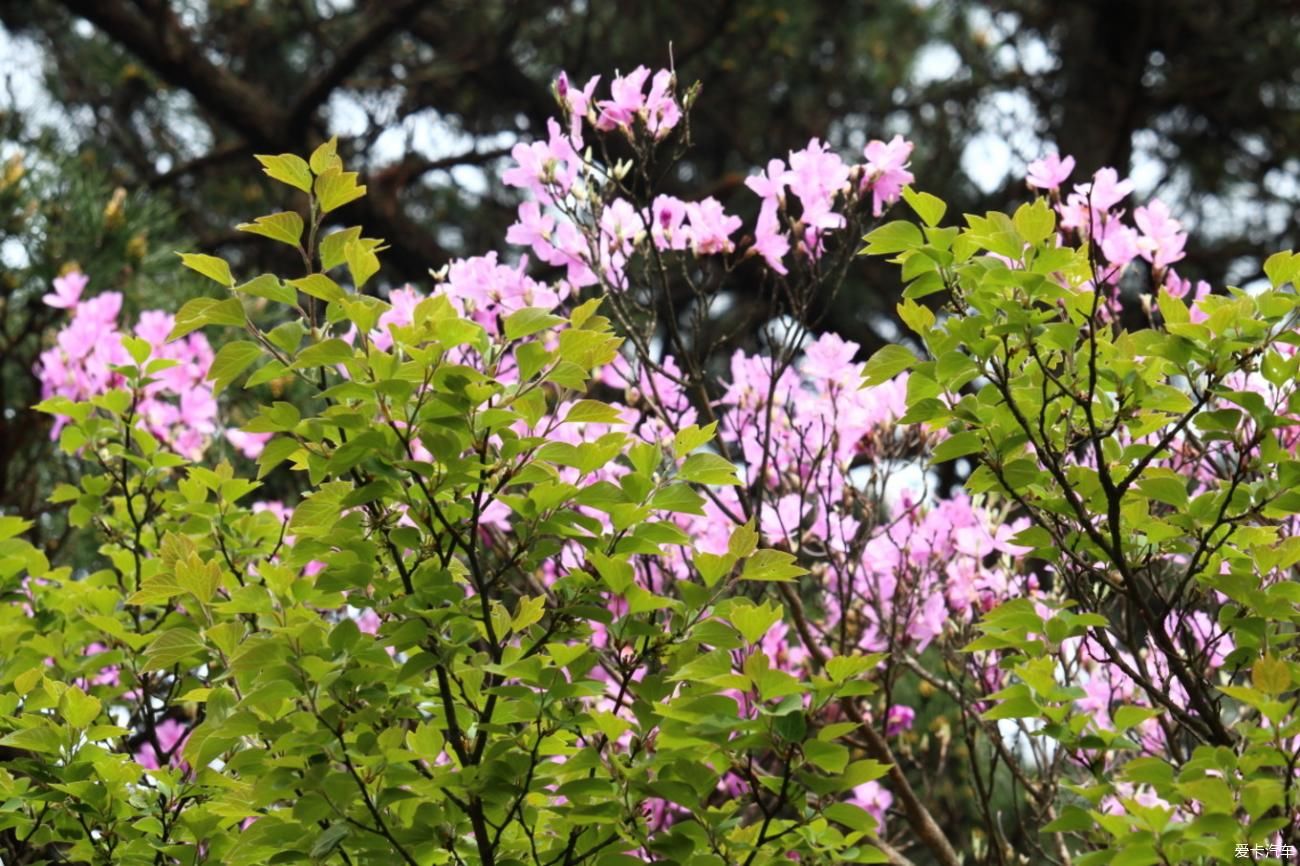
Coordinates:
x,y
127,129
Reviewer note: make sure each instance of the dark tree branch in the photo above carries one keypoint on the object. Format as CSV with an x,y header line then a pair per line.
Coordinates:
x,y
389,18
165,45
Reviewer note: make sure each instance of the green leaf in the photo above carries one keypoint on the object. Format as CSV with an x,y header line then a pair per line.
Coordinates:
x,y
79,709
689,438
926,284
743,541
678,498
528,321
958,445
285,227
326,157
1020,706
329,838
332,246
287,168
886,364
754,621
616,573
771,565
287,336
713,567
318,286
1271,675
1129,716
717,663
1173,309
1282,268
270,287
830,757
324,354
11,526
274,453
706,468
44,739
137,348
1259,796
1035,222
172,647
207,311
844,668
918,317
592,412
232,359
1072,819
528,611
362,261
268,372
426,741
336,188
929,208
861,772
319,512
211,267
893,237
852,816
1171,490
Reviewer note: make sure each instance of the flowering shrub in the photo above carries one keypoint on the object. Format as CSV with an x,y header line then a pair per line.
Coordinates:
x,y
555,591
1157,470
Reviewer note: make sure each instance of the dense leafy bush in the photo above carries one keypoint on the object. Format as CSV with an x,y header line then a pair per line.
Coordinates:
x,y
555,592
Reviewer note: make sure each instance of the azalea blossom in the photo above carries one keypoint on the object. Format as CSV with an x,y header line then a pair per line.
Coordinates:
x,y
1049,172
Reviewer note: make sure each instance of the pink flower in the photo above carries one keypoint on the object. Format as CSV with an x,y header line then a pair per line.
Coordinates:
x,y
769,241
875,799
817,175
171,735
887,172
248,444
899,719
830,358
533,229
578,102
368,621
101,309
109,675
177,405
1119,244
621,227
781,523
711,227
1049,172
1162,238
768,185
661,110
667,230
544,168
1106,190
67,290
487,290
627,99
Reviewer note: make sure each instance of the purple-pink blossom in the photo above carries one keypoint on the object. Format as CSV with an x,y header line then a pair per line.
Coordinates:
x,y
886,171
1049,172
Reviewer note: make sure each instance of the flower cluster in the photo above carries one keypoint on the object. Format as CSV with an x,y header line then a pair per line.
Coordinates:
x,y
1092,211
177,407
579,218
